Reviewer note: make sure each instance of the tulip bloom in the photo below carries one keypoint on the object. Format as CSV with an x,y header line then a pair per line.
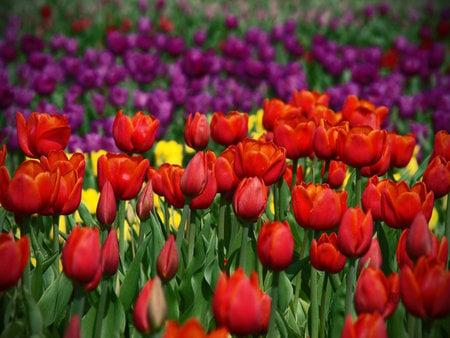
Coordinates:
x,y
424,290
226,177
2,155
259,158
42,133
206,197
168,260
381,166
81,254
150,309
296,135
307,100
401,148
240,305
366,325
125,173
318,207
13,259
337,170
71,182
73,330
372,258
376,293
363,113
134,135
275,245
325,254
166,182
325,139
250,199
437,176
144,204
371,196
400,204
441,145
110,254
197,131
192,328
360,146
195,175
106,206
275,109
229,129
355,232
33,178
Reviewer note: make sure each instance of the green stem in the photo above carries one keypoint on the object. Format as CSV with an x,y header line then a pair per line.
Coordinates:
x,y
101,308
411,325
358,186
121,221
325,173
77,306
25,228
335,281
221,232
243,250
184,218
191,237
56,233
322,306
234,230
283,199
314,305
166,217
274,305
298,278
351,278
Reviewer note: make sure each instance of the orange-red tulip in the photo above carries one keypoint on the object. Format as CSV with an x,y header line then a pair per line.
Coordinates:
x,y
106,206
401,148
168,260
437,176
355,232
441,145
366,325
371,196
325,139
250,199
144,204
226,177
229,129
337,170
191,328
325,254
13,259
166,182
195,175
372,258
363,113
136,134
197,131
42,133
275,109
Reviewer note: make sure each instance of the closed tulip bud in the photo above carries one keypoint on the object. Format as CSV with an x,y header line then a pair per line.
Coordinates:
x,y
73,329
42,133
437,176
372,258
376,293
110,254
107,206
355,232
371,197
93,283
168,260
197,131
13,259
325,254
144,204
441,144
337,171
250,199
81,254
147,311
195,175
275,245
226,177
366,325
418,238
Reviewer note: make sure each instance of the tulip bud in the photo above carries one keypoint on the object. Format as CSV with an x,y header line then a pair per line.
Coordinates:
x,y
197,131
355,232
73,329
372,257
250,199
418,238
195,176
144,204
110,254
107,206
325,254
168,260
13,259
157,305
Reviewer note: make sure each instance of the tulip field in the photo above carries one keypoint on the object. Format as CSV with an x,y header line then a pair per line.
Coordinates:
x,y
224,169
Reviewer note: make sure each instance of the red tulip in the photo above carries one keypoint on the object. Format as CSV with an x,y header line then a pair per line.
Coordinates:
x,y
355,232
197,131
259,158
275,109
13,259
166,182
226,178
150,309
363,113
325,254
307,100
441,145
250,199
424,290
366,325
360,146
419,241
381,166
168,260
437,176
275,245
30,177
136,134
376,293
287,176
229,129
372,258
144,204
110,254
106,206
125,173
325,139
195,175
240,305
81,254
337,170
400,204
401,148
296,135
2,155
42,133
71,182
73,329
192,328
318,207
205,199
371,196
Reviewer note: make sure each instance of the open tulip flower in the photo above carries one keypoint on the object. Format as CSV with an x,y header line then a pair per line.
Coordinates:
x,y
136,134
166,182
365,325
355,232
325,254
42,133
229,129
360,112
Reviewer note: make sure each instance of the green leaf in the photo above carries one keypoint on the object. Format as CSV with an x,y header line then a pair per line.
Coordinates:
x,y
129,288
285,291
336,316
113,325
396,323
85,215
88,323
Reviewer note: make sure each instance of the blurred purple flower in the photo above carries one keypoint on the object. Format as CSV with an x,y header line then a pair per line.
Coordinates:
x,y
98,102
441,120
199,37
144,25
175,46
23,96
116,42
231,21
44,83
74,113
6,95
31,43
118,96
